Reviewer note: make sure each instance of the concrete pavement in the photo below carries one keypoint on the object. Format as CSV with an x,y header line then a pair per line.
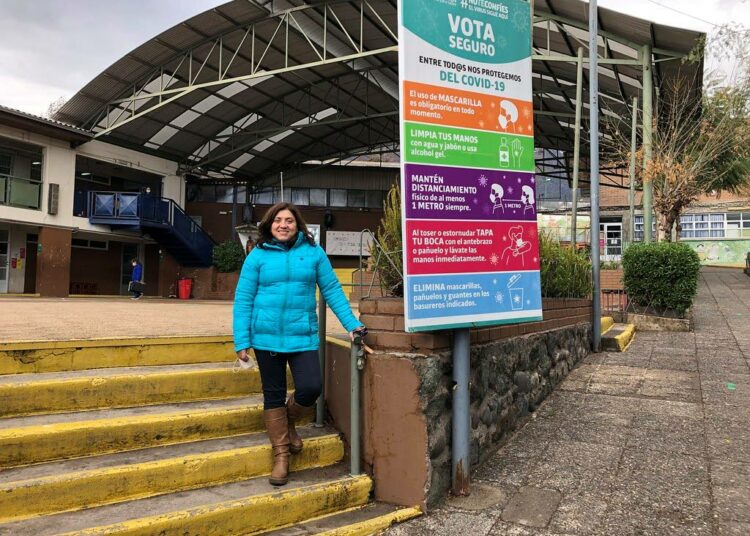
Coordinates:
x,y
33,319
653,441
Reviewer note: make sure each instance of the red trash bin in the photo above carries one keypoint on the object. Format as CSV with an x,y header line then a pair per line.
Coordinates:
x,y
184,288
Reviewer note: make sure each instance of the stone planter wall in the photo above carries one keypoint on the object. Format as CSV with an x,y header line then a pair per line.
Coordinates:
x,y
644,322
509,379
384,318
407,391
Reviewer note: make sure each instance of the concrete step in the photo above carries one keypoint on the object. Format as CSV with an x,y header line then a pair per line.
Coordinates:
x,y
55,356
98,480
27,440
364,521
56,392
618,337
247,507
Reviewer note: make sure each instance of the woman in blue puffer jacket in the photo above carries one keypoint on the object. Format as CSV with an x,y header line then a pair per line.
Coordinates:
x,y
275,315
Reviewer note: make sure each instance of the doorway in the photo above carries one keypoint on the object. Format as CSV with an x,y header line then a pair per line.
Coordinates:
x,y
610,241
4,259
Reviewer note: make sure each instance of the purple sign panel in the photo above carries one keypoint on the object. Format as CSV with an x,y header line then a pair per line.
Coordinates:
x,y
441,192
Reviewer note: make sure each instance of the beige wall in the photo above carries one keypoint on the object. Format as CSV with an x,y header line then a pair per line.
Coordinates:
x,y
173,187
59,168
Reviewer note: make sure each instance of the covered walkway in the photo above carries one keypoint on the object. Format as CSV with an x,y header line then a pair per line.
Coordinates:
x,y
653,441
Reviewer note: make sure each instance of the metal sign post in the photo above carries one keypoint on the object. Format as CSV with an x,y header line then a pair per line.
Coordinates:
x,y
461,431
594,141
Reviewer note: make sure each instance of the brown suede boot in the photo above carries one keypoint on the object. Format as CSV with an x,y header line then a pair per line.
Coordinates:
x,y
278,432
296,412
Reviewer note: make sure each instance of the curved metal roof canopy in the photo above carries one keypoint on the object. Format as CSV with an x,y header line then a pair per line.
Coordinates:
x,y
254,87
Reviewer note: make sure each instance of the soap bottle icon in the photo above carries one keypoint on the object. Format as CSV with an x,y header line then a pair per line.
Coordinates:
x,y
504,153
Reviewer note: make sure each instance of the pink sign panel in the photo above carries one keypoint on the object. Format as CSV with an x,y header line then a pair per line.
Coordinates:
x,y
452,247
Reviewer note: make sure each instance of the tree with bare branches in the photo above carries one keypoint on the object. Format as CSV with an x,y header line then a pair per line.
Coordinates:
x,y
700,145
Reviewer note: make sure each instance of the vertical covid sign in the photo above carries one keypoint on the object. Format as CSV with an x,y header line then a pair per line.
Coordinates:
x,y
471,248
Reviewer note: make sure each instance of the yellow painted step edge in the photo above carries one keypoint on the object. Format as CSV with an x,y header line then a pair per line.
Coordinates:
x,y
249,516
606,324
32,444
77,355
126,390
97,487
372,526
623,339
110,341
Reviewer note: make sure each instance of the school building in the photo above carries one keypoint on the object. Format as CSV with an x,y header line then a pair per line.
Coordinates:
x,y
74,211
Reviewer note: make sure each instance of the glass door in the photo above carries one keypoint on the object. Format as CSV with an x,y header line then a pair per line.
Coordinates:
x,y
610,241
4,260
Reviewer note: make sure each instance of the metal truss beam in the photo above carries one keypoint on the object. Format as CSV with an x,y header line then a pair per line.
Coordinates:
x,y
248,139
609,35
218,140
252,45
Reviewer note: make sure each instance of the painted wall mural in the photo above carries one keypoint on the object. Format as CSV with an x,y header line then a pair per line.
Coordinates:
x,y
720,251
558,226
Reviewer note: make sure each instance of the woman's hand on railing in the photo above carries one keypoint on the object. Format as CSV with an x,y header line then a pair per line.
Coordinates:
x,y
361,332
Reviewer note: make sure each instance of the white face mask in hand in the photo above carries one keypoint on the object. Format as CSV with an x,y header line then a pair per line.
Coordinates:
x,y
239,364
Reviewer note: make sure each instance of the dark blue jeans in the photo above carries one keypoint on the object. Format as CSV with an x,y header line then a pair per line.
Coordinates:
x,y
305,372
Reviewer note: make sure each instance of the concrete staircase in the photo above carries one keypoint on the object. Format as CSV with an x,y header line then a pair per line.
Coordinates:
x,y
143,437
616,337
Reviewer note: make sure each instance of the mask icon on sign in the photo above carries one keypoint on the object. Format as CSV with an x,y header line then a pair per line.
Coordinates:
x,y
496,196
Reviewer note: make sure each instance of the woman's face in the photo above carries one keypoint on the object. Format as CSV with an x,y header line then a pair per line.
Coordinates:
x,y
284,226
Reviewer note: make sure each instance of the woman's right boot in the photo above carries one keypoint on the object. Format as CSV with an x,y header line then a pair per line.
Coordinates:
x,y
277,427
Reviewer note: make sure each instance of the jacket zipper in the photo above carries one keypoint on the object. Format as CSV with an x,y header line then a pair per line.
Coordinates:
x,y
287,253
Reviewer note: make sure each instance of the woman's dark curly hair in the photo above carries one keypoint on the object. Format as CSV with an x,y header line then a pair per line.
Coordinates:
x,y
265,224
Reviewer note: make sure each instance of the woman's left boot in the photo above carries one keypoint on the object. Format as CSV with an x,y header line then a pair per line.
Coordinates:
x,y
295,412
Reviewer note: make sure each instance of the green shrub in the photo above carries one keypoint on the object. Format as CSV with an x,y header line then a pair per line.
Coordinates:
x,y
228,256
661,276
565,272
610,265
389,237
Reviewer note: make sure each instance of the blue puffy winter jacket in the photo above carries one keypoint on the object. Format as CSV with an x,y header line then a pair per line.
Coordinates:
x,y
274,304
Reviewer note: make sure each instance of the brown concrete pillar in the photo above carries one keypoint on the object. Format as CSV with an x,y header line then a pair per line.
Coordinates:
x,y
53,262
169,270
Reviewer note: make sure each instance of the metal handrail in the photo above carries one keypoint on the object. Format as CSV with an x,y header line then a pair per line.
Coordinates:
x,y
356,365
357,357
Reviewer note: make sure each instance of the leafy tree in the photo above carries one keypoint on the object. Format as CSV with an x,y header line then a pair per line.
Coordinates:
x,y
55,106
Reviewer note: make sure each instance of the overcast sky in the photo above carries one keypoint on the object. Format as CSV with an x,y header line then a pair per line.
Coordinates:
x,y
52,48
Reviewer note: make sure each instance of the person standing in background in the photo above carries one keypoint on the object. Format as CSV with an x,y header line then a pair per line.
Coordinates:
x,y
136,280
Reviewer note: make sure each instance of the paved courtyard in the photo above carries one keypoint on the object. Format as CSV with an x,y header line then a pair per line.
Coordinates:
x,y
29,318
653,441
